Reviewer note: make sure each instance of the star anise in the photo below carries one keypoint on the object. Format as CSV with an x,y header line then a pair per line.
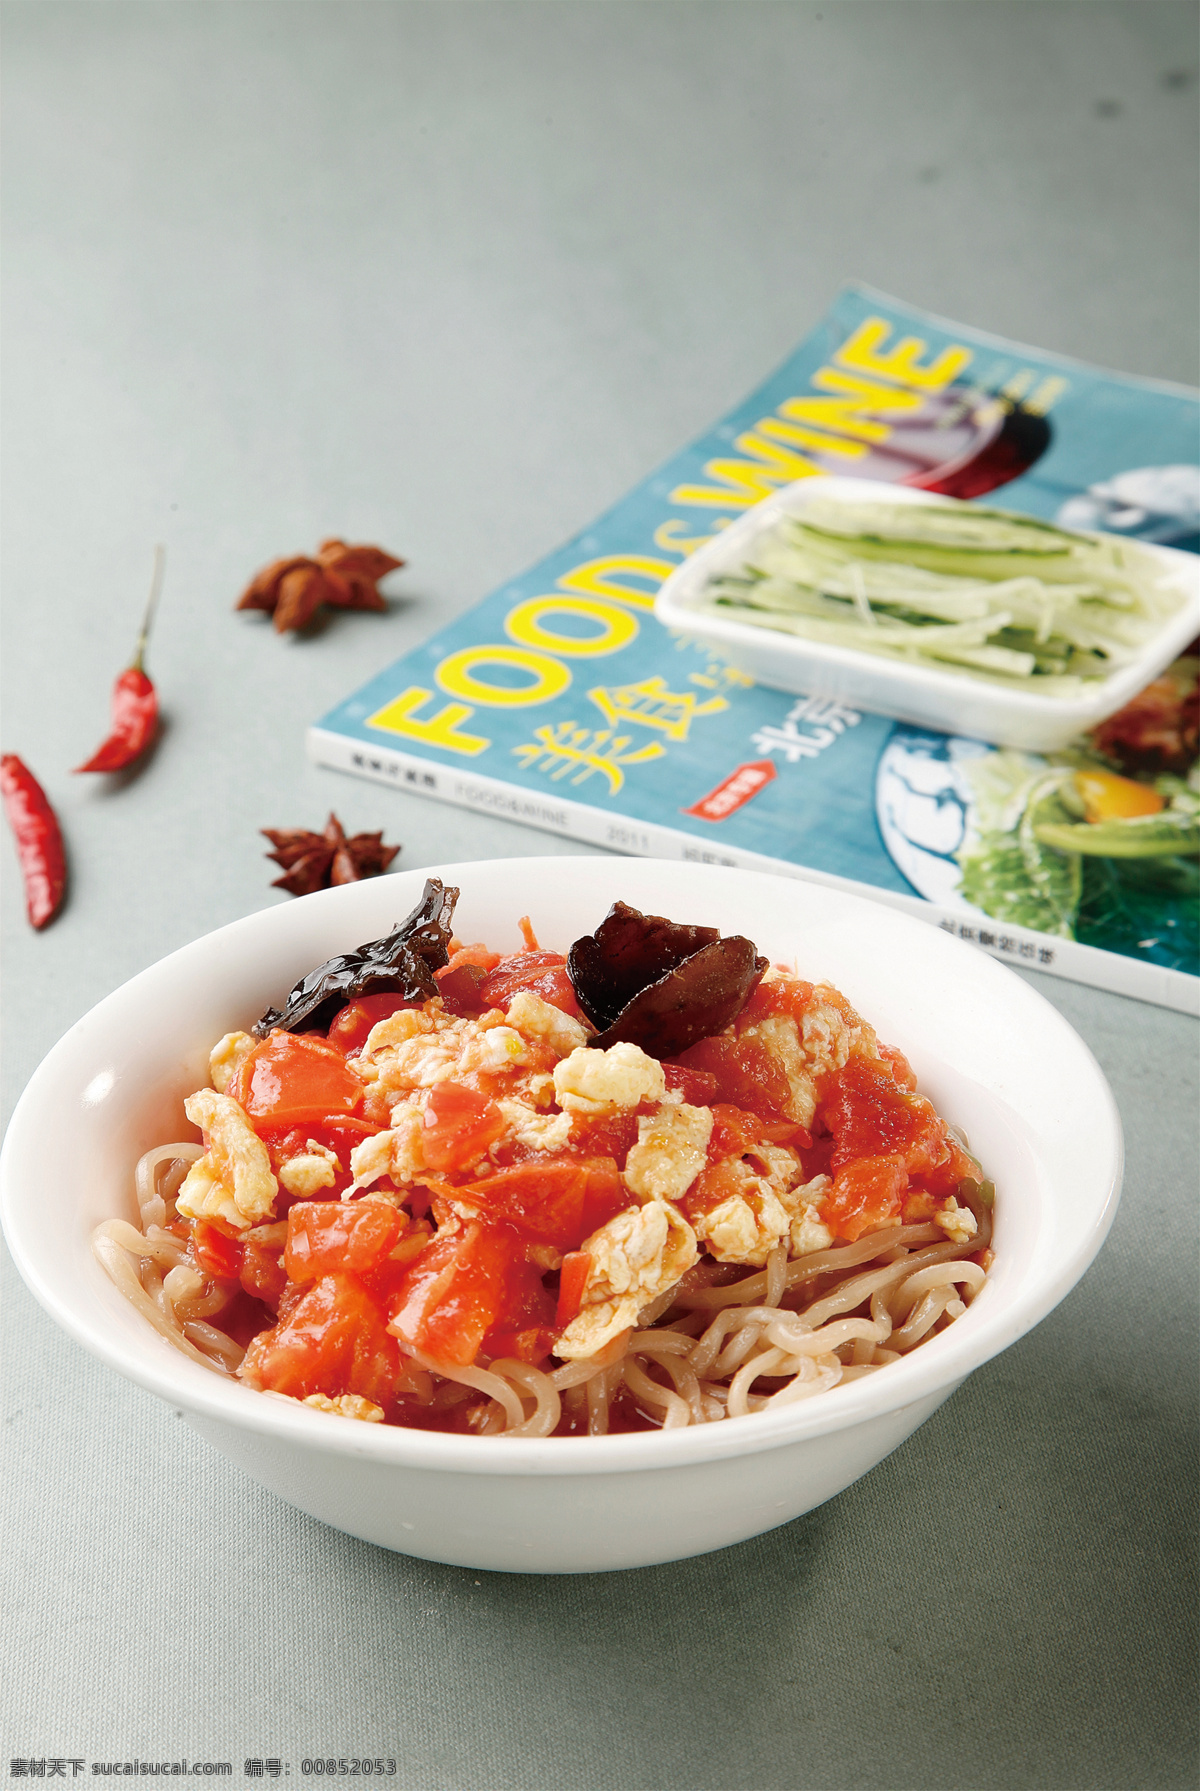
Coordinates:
x,y
317,860
341,576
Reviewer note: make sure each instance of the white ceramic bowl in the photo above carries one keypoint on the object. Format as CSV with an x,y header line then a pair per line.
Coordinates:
x,y
995,1057
929,696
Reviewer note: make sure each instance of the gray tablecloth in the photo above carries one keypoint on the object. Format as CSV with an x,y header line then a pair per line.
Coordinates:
x,y
450,277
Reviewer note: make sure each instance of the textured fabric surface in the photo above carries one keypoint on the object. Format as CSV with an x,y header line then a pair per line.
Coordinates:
x,y
450,277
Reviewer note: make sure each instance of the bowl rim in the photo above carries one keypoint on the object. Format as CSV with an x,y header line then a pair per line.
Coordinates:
x,y
936,1367
673,606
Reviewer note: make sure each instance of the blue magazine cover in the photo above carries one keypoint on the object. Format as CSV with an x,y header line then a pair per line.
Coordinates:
x,y
560,701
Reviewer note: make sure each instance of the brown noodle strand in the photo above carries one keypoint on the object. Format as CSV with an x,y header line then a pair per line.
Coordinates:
x,y
155,1191
543,1420
483,1380
925,1315
750,1290
852,1293
776,1276
945,1272
208,1337
115,1261
687,1383
676,1411
829,1373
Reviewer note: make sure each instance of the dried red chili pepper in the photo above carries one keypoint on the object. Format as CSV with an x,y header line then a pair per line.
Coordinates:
x,y
39,842
134,700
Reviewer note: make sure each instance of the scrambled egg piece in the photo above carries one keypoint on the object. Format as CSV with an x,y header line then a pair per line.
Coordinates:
x,y
227,1057
540,1019
670,1152
203,1195
958,1222
346,1405
423,1058
764,1209
536,1131
634,1258
397,1029
234,1180
492,1049
413,1050
313,1168
396,1153
747,1225
809,1232
590,1081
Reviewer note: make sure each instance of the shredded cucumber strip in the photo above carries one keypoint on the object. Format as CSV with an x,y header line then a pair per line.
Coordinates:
x,y
989,593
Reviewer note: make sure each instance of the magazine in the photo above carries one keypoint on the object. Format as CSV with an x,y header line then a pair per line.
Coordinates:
x,y
560,701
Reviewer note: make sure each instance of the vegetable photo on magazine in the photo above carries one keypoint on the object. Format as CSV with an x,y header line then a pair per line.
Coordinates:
x,y
917,619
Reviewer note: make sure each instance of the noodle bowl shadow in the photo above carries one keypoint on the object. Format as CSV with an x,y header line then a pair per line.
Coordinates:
x,y
997,1060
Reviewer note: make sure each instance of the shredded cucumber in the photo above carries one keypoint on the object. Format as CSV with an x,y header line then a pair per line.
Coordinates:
x,y
979,591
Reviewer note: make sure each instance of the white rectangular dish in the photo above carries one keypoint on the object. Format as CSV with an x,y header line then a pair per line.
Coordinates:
x,y
932,696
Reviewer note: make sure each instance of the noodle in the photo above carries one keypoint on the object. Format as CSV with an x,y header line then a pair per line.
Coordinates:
x,y
543,1420
112,1256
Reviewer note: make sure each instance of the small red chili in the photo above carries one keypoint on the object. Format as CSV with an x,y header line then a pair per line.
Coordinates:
x,y
134,700
39,842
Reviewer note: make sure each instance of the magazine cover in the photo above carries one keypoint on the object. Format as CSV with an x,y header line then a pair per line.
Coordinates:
x,y
560,701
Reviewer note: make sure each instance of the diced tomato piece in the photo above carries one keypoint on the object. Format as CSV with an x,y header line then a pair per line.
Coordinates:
x,y
263,1275
572,1285
605,1135
461,989
943,1178
747,1074
332,1341
737,1133
786,1131
870,1115
283,1142
698,1087
542,1197
293,1081
900,1067
349,1031
542,972
716,1183
329,1237
784,997
556,1200
460,1123
340,1133
526,1319
605,1196
866,1194
734,1133
454,1292
216,1253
